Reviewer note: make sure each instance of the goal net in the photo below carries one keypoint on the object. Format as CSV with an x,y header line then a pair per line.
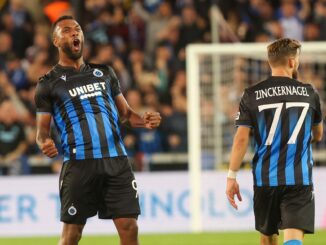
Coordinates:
x,y
217,74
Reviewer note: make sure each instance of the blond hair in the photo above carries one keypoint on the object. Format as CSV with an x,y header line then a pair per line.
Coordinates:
x,y
282,49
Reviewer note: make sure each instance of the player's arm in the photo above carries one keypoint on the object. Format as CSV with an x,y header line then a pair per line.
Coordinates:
x,y
317,128
317,132
239,148
43,139
43,119
149,120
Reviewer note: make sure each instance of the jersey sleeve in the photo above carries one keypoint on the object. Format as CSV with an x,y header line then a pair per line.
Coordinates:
x,y
318,114
243,117
115,84
42,97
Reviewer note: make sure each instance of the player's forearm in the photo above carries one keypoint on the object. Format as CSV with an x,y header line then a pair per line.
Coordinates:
x,y
41,136
43,125
238,151
136,120
317,132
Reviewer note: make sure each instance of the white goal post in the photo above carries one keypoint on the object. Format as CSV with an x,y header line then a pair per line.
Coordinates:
x,y
206,68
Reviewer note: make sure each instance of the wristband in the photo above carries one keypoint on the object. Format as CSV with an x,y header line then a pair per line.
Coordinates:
x,y
232,174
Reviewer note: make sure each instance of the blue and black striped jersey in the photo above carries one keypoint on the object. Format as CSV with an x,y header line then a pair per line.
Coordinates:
x,y
281,111
83,108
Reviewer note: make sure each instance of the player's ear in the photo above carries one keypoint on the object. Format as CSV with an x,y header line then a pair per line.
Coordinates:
x,y
55,41
291,62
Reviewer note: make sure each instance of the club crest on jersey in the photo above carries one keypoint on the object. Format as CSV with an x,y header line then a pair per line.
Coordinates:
x,y
72,210
97,73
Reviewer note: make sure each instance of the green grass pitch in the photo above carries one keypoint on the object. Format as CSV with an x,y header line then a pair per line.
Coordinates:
x,y
227,238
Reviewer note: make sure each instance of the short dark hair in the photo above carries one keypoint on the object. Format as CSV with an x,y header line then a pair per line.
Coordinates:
x,y
282,49
61,18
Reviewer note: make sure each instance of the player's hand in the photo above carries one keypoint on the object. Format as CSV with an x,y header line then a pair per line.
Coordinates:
x,y
152,119
48,148
232,189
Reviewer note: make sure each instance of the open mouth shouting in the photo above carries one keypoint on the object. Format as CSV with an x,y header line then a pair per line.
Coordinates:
x,y
76,45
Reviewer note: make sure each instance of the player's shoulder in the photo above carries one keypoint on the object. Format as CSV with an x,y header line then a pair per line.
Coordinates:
x,y
303,84
254,87
309,86
48,77
106,69
98,66
102,67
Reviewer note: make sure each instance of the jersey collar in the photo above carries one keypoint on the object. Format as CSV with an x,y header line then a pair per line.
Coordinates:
x,y
60,68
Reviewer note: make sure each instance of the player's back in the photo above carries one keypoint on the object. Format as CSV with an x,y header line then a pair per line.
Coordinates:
x,y
281,112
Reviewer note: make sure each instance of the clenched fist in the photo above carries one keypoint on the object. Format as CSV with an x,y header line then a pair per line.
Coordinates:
x,y
152,119
48,148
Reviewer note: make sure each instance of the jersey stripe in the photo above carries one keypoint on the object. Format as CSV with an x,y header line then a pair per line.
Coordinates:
x,y
304,155
261,149
267,154
90,117
109,104
282,157
108,129
77,131
298,159
61,126
311,163
69,130
117,126
97,109
275,153
290,155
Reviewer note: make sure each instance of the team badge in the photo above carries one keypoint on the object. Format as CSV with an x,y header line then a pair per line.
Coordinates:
x,y
72,210
97,73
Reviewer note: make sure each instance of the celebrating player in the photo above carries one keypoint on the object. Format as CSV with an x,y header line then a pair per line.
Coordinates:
x,y
86,103
284,116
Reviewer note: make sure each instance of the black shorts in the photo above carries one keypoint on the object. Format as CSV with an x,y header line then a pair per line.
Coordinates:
x,y
106,186
284,207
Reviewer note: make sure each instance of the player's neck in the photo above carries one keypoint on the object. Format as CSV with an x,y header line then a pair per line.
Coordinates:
x,y
282,73
65,61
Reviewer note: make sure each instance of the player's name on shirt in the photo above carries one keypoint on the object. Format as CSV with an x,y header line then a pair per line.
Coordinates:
x,y
280,91
87,91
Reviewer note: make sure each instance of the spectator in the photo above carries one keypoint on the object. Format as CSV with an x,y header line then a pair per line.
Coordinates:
x,y
190,30
320,17
5,48
292,19
145,43
176,125
15,72
12,140
22,35
154,22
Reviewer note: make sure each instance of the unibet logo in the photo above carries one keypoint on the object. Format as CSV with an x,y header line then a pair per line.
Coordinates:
x,y
89,90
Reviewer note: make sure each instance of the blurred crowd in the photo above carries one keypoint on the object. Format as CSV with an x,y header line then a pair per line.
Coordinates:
x,y
144,41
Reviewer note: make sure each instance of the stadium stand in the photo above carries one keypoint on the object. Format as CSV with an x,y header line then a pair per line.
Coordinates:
x,y
144,41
